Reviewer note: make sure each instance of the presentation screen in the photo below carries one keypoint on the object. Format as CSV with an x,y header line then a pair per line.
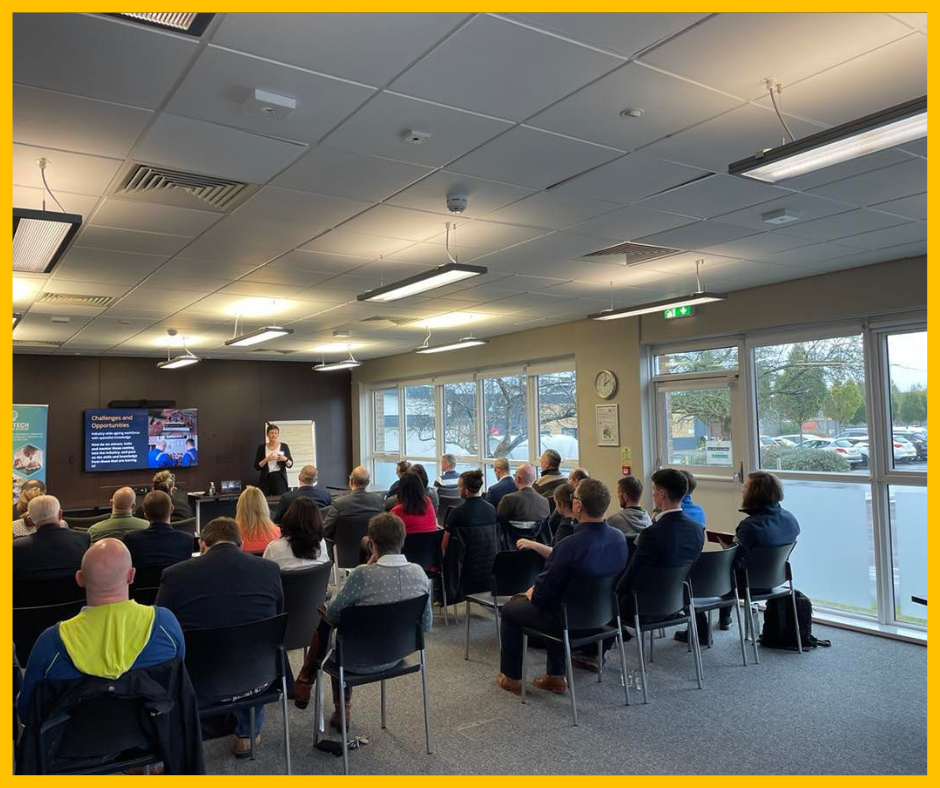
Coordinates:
x,y
120,439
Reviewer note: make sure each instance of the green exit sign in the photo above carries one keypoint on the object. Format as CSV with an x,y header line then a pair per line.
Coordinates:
x,y
678,311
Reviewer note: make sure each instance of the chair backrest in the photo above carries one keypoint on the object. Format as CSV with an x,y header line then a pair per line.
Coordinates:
x,y
84,523
378,634
660,591
99,726
515,570
711,574
348,536
227,661
304,592
447,505
767,566
590,602
147,583
188,525
479,545
30,622
424,549
55,591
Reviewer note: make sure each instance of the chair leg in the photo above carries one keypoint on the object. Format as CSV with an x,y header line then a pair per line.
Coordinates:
x,y
711,628
318,708
600,661
570,671
342,721
696,646
424,692
443,597
499,637
796,620
737,612
750,617
286,723
623,664
466,648
639,651
651,645
382,693
525,664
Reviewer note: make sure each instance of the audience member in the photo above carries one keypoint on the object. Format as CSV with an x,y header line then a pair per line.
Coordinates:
x,y
473,511
578,475
689,506
564,508
448,476
51,551
159,544
400,467
254,520
525,504
110,636
389,577
122,518
22,503
301,543
23,526
504,482
414,507
307,489
632,518
550,477
357,503
224,587
593,550
431,490
165,481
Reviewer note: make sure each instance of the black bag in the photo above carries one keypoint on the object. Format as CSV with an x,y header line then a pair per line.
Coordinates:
x,y
779,632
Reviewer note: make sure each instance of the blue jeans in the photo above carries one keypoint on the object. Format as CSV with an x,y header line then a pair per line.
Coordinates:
x,y
243,722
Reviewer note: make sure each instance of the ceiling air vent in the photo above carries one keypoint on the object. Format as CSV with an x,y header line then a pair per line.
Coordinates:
x,y
152,183
70,299
190,23
35,343
395,321
635,253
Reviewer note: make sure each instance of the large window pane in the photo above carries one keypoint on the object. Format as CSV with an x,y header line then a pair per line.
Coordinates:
x,y
558,414
909,518
420,432
834,559
504,417
697,361
383,474
698,426
907,370
385,421
460,418
811,406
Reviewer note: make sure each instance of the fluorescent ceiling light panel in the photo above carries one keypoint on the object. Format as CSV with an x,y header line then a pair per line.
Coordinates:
x,y
450,320
460,344
268,308
421,283
261,335
886,129
179,362
336,366
336,347
644,309
40,238
188,22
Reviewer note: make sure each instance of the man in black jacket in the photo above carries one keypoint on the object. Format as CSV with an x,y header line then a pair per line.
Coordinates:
x,y
160,544
52,551
224,587
308,489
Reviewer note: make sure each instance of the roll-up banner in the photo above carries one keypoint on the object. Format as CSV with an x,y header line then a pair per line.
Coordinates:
x,y
30,423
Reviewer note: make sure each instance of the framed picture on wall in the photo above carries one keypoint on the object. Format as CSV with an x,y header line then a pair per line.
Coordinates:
x,y
607,423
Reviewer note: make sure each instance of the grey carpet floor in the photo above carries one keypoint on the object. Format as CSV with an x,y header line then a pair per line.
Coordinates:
x,y
859,707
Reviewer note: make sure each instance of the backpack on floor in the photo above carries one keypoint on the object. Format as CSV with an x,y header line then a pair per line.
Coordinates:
x,y
779,632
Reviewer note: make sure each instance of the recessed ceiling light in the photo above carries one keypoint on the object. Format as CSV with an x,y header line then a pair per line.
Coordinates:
x,y
259,307
450,320
263,334
632,112
193,24
460,344
446,274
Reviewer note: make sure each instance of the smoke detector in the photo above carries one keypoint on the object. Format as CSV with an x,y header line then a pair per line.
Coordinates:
x,y
265,104
415,136
632,112
457,203
779,216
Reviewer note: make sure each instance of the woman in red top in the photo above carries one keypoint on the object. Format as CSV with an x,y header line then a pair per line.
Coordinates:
x,y
414,507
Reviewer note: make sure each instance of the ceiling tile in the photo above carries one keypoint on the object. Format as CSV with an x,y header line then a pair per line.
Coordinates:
x,y
533,158
914,20
393,222
335,172
698,235
763,46
629,223
806,255
221,80
859,258
758,247
292,217
377,130
713,196
901,180
433,254
153,217
805,206
914,207
98,57
319,262
622,33
82,204
888,236
842,225
551,210
430,194
68,172
669,104
130,241
490,235
629,179
94,127
506,70
187,144
917,147
101,265
370,48
343,241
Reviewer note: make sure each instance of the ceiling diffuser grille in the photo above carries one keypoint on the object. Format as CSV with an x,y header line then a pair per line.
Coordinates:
x,y
70,299
634,253
191,23
144,180
35,343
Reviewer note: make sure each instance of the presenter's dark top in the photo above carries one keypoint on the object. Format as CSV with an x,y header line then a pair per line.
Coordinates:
x,y
265,471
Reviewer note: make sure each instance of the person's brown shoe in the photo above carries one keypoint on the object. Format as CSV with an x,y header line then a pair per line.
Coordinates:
x,y
510,685
558,684
243,746
585,663
303,685
336,722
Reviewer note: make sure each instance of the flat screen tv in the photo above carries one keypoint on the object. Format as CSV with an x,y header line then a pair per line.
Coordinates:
x,y
122,439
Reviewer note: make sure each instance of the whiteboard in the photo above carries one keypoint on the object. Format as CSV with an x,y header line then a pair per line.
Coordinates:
x,y
301,436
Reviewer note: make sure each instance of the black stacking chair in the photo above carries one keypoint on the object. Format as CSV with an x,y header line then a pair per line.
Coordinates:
x,y
424,549
30,622
304,592
147,583
713,586
447,504
767,575
55,591
661,598
536,530
254,657
513,572
84,523
347,542
588,604
188,525
375,635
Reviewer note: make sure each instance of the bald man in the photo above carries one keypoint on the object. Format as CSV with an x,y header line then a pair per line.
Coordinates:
x,y
358,504
110,636
122,518
308,489
525,504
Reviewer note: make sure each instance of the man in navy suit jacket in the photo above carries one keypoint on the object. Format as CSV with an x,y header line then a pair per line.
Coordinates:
x,y
504,486
308,489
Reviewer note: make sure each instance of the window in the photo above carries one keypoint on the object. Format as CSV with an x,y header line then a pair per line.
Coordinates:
x,y
420,417
383,474
909,518
505,417
460,418
558,414
385,421
697,425
711,360
907,381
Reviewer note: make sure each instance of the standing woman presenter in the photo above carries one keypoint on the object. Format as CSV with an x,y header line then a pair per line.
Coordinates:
x,y
272,461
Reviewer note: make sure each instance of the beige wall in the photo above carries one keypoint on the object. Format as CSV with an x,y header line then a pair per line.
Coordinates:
x,y
885,288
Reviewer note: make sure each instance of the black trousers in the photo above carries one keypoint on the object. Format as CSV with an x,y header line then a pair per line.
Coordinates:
x,y
519,613
274,483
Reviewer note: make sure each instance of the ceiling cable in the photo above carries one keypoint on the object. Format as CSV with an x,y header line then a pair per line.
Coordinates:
x,y
43,163
447,240
698,277
774,87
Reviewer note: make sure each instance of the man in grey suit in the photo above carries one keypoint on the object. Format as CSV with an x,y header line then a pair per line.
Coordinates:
x,y
358,503
524,504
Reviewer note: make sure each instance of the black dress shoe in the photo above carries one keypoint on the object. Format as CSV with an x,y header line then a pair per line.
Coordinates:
x,y
724,626
683,637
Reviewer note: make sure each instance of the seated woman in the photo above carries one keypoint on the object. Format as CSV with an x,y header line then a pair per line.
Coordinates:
x,y
389,577
301,542
414,507
254,521
474,510
391,500
563,495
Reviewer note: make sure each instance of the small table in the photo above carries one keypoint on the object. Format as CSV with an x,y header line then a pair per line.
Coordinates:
x,y
920,600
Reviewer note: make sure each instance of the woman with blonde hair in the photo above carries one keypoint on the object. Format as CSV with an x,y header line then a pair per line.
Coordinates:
x,y
254,521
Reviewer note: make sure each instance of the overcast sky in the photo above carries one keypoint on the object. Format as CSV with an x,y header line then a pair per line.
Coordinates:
x,y
907,355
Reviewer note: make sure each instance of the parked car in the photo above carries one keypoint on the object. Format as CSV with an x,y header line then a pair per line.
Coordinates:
x,y
842,446
917,438
903,450
794,440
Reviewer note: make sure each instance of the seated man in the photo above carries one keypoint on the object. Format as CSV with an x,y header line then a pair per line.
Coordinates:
x,y
112,634
224,587
51,551
449,475
632,518
593,550
308,489
122,518
578,475
551,477
525,504
504,482
158,545
358,503
689,506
